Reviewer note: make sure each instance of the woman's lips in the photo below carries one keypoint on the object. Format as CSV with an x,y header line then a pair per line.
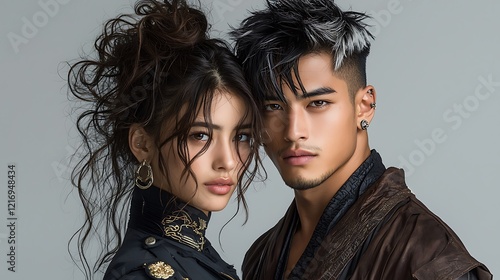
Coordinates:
x,y
220,186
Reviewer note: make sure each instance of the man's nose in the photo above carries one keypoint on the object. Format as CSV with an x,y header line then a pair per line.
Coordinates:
x,y
296,126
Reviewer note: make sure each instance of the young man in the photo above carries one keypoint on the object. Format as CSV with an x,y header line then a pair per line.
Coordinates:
x,y
351,218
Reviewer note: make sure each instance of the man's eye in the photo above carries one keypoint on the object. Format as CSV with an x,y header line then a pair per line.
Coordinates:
x,y
200,136
272,107
318,103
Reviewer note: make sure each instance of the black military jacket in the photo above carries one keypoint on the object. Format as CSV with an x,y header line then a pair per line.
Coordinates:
x,y
165,239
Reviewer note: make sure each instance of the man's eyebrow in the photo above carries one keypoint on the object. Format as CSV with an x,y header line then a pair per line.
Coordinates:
x,y
316,92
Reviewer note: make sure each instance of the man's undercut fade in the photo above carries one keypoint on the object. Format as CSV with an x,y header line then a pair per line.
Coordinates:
x,y
270,42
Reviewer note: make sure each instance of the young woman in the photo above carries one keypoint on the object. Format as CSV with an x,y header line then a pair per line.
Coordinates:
x,y
170,132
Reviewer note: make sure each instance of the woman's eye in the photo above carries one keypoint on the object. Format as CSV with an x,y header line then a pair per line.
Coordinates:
x,y
272,107
243,137
200,136
318,103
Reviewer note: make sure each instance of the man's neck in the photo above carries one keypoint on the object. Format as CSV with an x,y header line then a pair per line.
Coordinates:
x,y
312,202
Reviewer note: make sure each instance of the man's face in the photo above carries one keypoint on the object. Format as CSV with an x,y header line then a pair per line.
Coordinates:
x,y
312,138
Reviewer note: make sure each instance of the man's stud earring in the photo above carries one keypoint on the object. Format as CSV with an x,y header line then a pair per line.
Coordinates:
x,y
364,124
373,105
370,91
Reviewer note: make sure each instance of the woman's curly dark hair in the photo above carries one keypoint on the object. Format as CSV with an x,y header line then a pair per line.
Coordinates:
x,y
148,66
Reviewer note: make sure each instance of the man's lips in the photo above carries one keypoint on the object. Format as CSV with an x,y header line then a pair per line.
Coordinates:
x,y
296,153
297,157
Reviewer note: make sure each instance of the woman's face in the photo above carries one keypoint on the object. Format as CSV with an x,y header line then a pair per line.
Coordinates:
x,y
218,168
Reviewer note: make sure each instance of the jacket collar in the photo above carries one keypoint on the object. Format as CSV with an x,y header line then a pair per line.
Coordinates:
x,y
157,211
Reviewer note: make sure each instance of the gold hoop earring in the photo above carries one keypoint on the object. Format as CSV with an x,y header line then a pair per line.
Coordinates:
x,y
141,182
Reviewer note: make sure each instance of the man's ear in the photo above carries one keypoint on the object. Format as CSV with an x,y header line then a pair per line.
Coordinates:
x,y
140,143
365,104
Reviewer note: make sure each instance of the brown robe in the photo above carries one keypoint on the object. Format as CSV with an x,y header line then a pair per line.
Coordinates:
x,y
387,234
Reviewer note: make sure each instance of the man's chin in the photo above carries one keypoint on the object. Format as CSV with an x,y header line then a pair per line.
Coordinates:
x,y
300,184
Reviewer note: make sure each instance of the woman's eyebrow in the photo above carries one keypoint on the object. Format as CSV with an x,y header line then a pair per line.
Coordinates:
x,y
207,125
218,127
244,126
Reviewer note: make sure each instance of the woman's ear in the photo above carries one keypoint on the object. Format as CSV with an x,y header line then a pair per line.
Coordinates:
x,y
140,143
366,103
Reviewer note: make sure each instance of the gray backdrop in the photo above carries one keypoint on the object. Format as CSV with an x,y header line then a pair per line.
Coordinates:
x,y
435,65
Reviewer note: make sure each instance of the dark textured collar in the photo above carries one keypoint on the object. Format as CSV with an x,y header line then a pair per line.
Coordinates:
x,y
159,212
364,176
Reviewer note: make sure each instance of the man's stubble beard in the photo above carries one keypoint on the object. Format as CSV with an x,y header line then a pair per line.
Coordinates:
x,y
301,183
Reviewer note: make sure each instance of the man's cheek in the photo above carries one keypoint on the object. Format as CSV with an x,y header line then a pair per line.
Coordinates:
x,y
275,124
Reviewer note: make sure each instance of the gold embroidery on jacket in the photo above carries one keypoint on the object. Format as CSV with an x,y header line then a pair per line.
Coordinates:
x,y
161,270
174,231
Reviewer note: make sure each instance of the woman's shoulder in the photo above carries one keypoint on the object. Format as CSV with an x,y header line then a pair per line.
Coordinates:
x,y
137,259
145,256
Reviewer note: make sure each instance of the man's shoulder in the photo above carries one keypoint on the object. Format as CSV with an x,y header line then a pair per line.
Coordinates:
x,y
422,238
426,223
434,238
408,209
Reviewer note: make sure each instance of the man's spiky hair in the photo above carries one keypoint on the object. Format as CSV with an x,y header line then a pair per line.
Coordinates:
x,y
270,42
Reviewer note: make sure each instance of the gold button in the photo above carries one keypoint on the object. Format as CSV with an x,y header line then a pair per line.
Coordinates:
x,y
160,270
150,241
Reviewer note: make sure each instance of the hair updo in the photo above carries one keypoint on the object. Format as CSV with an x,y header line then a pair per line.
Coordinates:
x,y
148,66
